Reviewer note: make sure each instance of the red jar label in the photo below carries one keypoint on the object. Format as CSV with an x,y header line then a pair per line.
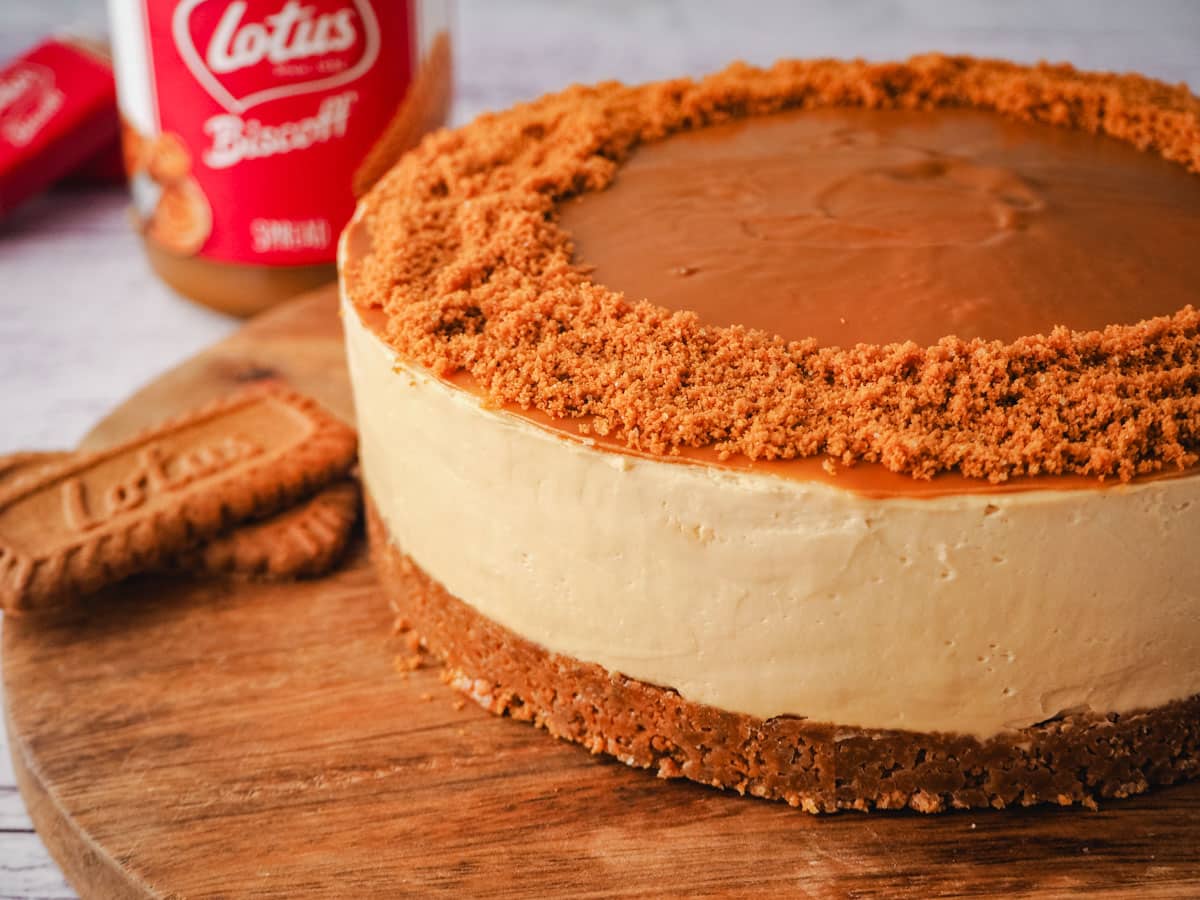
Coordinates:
x,y
246,119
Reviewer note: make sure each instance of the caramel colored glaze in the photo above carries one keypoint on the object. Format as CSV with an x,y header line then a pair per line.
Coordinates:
x,y
866,479
852,225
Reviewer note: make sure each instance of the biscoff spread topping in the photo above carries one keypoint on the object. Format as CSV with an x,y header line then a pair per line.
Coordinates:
x,y
474,274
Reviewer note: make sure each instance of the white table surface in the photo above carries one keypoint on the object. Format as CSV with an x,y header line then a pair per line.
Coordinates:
x,y
83,322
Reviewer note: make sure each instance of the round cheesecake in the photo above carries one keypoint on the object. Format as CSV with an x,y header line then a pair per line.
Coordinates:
x,y
827,433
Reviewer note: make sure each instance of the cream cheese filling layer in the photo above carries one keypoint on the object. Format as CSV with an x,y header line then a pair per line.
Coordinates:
x,y
764,595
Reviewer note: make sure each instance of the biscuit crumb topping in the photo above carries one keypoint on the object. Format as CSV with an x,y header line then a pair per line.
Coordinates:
x,y
474,274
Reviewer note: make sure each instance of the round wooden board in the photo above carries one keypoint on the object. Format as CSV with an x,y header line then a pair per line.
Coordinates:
x,y
206,739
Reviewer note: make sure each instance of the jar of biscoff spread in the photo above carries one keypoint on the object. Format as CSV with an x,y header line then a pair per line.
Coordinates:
x,y
250,126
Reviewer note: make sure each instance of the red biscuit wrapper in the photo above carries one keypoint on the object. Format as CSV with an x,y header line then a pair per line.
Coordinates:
x,y
58,111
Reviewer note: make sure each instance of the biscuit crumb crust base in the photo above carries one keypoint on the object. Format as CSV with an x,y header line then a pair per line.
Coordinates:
x,y
1076,759
473,273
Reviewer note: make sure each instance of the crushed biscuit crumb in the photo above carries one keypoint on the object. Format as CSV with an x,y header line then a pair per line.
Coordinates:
x,y
474,275
406,664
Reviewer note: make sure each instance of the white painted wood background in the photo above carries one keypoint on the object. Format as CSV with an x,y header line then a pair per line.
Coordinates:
x,y
83,322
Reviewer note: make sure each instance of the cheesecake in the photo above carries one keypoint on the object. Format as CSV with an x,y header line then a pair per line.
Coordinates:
x,y
827,432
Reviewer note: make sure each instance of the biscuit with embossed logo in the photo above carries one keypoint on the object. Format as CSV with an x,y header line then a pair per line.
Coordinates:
x,y
304,541
16,467
95,518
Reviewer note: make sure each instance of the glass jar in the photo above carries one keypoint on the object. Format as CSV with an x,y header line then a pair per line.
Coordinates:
x,y
249,127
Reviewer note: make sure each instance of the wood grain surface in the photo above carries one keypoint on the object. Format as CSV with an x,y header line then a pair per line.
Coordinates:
x,y
211,739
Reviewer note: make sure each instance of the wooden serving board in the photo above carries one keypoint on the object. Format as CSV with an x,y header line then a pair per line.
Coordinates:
x,y
211,739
